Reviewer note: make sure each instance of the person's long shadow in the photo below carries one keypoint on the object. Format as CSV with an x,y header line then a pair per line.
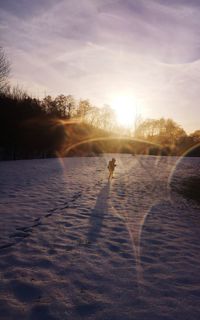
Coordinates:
x,y
98,213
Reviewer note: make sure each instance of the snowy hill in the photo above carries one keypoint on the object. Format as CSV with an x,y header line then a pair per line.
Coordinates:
x,y
74,246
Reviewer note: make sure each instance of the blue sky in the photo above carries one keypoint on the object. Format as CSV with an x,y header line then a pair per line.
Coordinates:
x,y
98,49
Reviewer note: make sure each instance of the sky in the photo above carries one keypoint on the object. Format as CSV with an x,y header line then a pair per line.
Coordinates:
x,y
104,49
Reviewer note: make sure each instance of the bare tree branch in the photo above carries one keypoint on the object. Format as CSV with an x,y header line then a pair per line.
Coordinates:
x,y
4,69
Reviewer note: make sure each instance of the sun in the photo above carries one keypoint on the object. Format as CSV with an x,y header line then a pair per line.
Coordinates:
x,y
125,107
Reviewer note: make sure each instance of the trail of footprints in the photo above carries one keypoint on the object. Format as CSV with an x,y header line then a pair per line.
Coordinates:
x,y
24,232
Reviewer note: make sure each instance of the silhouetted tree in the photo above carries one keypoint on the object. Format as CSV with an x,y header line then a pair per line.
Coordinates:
x,y
49,105
60,105
4,70
70,107
163,131
195,136
107,118
83,109
93,117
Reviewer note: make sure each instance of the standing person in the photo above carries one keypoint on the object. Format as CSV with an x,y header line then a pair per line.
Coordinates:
x,y
111,168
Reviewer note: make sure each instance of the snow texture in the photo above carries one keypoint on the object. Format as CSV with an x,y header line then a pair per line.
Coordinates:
x,y
75,246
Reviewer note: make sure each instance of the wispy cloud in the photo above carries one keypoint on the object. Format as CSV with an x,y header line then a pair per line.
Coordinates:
x,y
95,49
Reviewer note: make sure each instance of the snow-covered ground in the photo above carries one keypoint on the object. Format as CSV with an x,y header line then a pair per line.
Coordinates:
x,y
73,246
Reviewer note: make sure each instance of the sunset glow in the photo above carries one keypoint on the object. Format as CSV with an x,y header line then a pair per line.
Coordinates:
x,y
125,108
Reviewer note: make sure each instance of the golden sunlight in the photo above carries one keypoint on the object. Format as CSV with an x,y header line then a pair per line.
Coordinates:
x,y
125,108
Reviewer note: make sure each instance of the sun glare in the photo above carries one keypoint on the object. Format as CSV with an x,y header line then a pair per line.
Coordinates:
x,y
125,108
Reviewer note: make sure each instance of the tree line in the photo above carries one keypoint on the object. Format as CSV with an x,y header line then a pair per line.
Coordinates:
x,y
169,135
32,127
